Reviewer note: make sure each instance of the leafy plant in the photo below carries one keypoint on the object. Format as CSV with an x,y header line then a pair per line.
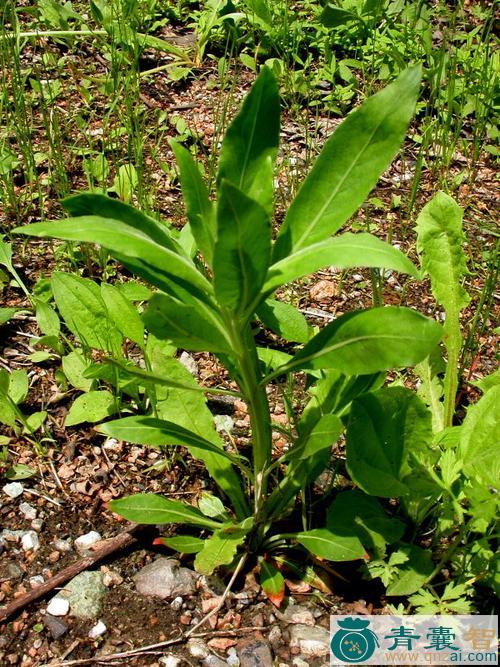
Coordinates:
x,y
210,303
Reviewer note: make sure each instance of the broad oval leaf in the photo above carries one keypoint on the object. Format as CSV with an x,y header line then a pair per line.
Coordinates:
x,y
123,313
413,573
345,251
184,544
349,165
91,407
285,320
149,508
369,341
325,544
219,549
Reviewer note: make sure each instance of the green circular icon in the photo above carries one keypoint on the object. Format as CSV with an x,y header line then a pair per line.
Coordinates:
x,y
354,642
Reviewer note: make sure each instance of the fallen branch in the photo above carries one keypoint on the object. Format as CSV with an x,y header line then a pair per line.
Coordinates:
x,y
100,551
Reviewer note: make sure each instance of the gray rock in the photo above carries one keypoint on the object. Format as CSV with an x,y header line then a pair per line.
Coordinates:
x,y
213,584
85,594
312,641
13,490
56,626
30,541
37,524
198,649
255,653
295,613
213,661
64,546
165,578
232,657
12,535
170,660
83,542
10,571
274,635
189,363
28,511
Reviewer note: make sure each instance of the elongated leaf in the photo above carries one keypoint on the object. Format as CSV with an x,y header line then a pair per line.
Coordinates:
x,y
124,241
369,341
5,254
184,544
80,303
219,549
242,250
123,314
479,438
325,544
212,506
323,436
199,208
91,407
285,320
159,433
272,582
251,142
413,573
349,165
150,508
47,318
384,427
16,385
345,251
184,326
7,313
74,365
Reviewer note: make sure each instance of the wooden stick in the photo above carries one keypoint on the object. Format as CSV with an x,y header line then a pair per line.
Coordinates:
x,y
100,550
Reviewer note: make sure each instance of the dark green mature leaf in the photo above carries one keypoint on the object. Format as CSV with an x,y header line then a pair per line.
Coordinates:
x,y
349,165
242,250
324,543
123,314
251,142
323,436
199,209
285,320
413,573
186,327
126,243
272,582
345,251
80,303
369,341
149,508
184,544
47,318
219,549
384,427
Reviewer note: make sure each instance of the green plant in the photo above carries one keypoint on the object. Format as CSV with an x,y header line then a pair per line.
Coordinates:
x,y
210,303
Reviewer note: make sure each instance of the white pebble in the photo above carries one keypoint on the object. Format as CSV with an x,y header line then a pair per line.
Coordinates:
x,y
170,661
36,580
62,545
232,657
37,524
13,490
30,541
176,603
98,630
58,607
28,510
83,542
198,649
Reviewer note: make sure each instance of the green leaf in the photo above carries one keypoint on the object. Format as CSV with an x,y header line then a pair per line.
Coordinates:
x,y
412,574
74,366
355,513
18,386
285,320
369,341
199,209
123,314
480,435
20,471
212,506
349,165
185,326
488,382
325,544
149,508
251,142
35,421
184,544
7,313
47,318
80,303
384,427
242,250
345,251
134,291
91,407
431,387
272,582
323,436
219,549
5,254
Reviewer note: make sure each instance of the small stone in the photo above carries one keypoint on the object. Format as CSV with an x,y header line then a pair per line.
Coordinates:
x,y
170,661
165,578
85,594
28,511
176,603
212,584
232,658
111,578
55,626
322,290
255,653
297,614
312,641
83,542
13,490
58,606
222,643
214,661
37,524
64,546
189,362
299,662
274,635
54,556
198,649
36,580
30,541
10,571
98,630
223,423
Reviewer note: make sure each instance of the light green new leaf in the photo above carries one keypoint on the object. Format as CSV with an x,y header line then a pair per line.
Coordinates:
x,y
219,549
184,544
74,366
80,303
18,385
413,573
47,318
479,439
384,427
242,250
199,209
349,165
91,407
285,320
7,313
369,341
324,543
251,142
123,313
212,506
184,326
149,508
488,382
431,387
344,252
